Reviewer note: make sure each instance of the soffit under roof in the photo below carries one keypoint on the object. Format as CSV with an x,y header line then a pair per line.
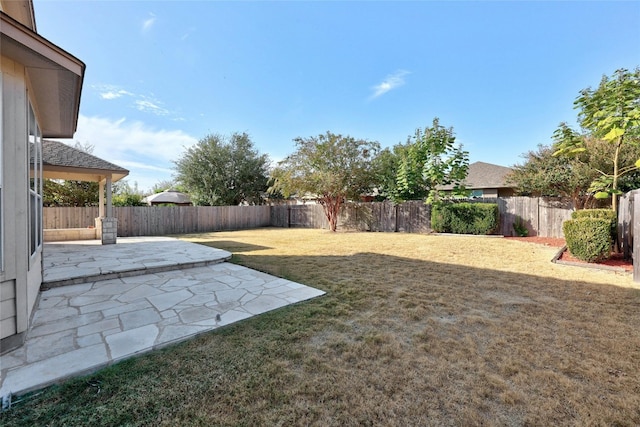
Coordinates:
x,y
55,77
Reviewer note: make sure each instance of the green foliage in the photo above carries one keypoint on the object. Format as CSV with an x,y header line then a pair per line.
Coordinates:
x,y
128,200
126,195
69,193
611,112
333,168
164,185
520,228
588,238
607,214
220,171
385,166
430,159
57,192
465,218
546,174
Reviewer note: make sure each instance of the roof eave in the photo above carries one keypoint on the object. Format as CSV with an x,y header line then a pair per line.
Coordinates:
x,y
81,174
55,77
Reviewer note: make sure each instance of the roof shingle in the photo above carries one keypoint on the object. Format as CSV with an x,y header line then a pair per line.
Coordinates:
x,y
484,175
56,153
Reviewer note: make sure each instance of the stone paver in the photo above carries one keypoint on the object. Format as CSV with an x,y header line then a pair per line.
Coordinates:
x,y
70,262
79,328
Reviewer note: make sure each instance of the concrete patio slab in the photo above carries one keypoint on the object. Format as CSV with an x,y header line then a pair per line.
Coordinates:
x,y
80,328
83,261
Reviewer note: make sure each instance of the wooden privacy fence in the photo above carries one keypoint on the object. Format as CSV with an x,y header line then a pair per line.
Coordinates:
x,y
542,217
410,217
162,220
628,215
57,218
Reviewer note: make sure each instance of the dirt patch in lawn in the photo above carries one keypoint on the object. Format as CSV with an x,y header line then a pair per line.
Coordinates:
x,y
556,242
616,260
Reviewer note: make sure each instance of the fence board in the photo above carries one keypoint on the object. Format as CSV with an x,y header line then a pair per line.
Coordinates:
x,y
625,222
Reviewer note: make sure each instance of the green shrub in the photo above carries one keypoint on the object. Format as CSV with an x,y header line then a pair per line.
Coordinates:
x,y
520,228
588,238
608,214
465,218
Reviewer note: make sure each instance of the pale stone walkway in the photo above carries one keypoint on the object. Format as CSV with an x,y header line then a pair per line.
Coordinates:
x,y
83,261
82,327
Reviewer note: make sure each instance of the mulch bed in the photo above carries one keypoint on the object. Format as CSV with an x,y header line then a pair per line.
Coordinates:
x,y
616,260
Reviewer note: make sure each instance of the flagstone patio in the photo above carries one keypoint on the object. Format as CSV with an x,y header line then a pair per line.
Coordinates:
x,y
133,297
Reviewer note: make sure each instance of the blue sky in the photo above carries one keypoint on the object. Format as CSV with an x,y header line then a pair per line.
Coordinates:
x,y
163,74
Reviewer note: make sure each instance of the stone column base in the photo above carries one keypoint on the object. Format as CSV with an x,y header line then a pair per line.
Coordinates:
x,y
107,230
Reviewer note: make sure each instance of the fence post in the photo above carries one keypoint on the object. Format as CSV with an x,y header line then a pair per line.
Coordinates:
x,y
395,227
636,240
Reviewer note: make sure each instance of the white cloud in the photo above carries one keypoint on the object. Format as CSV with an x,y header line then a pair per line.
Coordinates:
x,y
148,153
146,104
392,81
148,23
114,94
128,164
109,92
151,107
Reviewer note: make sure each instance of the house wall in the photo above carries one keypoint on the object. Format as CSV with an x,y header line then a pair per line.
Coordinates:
x,y
506,192
21,273
490,192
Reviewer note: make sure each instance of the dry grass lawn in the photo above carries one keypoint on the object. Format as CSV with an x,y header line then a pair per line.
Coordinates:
x,y
414,330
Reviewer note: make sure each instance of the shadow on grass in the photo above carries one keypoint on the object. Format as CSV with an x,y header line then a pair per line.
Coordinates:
x,y
234,246
396,341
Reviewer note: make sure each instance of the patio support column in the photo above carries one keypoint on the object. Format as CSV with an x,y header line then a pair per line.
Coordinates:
x,y
101,198
106,223
109,207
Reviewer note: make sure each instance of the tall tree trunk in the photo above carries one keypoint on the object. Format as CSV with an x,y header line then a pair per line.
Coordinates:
x,y
331,206
616,171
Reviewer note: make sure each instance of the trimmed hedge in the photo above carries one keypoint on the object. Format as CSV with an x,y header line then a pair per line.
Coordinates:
x,y
588,238
608,214
465,218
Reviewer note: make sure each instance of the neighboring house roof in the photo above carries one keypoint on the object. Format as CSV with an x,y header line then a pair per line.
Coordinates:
x,y
61,161
484,175
168,196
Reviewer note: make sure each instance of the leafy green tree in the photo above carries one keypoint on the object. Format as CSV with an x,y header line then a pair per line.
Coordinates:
x,y
126,195
333,168
610,112
545,174
58,192
385,166
430,159
221,170
166,184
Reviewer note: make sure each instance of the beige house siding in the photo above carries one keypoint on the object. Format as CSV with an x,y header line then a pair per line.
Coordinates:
x,y
21,275
35,75
8,308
